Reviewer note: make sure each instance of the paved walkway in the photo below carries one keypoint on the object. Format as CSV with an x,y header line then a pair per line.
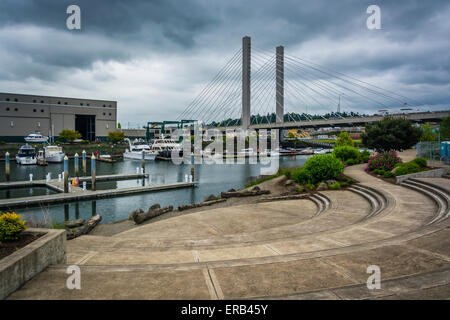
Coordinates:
x,y
281,249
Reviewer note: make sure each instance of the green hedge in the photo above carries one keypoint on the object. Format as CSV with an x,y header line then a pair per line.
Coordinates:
x,y
346,152
324,167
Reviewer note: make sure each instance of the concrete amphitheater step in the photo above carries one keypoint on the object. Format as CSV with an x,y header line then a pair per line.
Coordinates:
x,y
377,200
323,203
344,273
336,216
440,196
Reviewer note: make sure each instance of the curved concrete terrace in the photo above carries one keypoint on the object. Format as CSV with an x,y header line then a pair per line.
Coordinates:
x,y
315,248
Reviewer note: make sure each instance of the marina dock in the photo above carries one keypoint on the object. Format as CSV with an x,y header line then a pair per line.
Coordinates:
x,y
77,193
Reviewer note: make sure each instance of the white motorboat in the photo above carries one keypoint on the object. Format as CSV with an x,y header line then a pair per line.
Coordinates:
x,y
36,138
26,155
135,151
164,146
247,152
320,151
54,154
269,153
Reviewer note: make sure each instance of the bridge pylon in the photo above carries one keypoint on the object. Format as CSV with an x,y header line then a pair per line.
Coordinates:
x,y
279,76
246,74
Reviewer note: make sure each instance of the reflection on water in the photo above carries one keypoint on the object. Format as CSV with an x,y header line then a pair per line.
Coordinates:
x,y
213,179
25,192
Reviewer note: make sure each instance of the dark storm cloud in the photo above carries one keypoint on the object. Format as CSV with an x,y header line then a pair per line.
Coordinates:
x,y
192,38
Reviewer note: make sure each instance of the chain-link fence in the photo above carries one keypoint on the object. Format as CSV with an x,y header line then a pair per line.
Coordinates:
x,y
431,150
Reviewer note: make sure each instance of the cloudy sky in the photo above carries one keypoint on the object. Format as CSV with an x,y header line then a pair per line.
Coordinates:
x,y
155,56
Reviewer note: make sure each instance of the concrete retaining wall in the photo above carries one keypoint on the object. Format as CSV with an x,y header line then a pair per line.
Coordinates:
x,y
437,173
24,264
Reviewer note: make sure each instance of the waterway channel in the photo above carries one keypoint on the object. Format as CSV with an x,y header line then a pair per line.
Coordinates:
x,y
212,179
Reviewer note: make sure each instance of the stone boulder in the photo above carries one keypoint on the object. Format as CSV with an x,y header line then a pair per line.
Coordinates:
x,y
155,206
322,186
211,197
135,212
289,182
256,188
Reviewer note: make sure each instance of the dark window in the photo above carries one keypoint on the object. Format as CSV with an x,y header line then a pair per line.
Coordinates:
x,y
34,110
81,103
59,102
7,109
110,106
104,106
104,113
42,110
34,101
16,100
7,99
109,113
15,109
65,103
42,101
87,104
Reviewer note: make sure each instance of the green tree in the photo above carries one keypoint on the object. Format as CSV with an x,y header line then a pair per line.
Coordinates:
x,y
69,135
344,140
428,133
116,136
391,134
119,126
445,129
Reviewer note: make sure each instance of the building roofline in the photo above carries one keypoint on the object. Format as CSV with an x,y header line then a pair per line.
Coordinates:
x,y
39,95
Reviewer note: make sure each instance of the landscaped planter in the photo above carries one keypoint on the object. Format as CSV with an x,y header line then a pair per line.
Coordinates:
x,y
25,263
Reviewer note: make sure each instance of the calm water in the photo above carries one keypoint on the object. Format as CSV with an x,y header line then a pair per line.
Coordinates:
x,y
25,192
213,179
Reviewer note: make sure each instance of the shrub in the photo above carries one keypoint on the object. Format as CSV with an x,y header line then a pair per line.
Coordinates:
x,y
384,160
347,179
286,172
379,171
310,186
301,175
11,224
116,136
324,167
351,162
334,186
344,184
364,156
388,174
365,159
346,152
344,140
300,189
69,135
421,162
407,168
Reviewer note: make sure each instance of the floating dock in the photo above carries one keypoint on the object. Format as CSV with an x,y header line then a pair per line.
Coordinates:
x,y
77,193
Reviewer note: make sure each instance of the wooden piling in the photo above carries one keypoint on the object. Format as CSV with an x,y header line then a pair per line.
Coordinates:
x,y
93,172
7,166
66,174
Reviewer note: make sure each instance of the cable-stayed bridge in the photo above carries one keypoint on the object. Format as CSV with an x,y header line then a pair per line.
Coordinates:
x,y
260,89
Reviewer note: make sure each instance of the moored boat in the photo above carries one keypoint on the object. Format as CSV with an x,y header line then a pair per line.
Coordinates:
x,y
53,154
135,151
26,155
36,138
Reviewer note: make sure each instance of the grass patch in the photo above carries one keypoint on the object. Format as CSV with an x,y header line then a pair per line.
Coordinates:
x,y
262,179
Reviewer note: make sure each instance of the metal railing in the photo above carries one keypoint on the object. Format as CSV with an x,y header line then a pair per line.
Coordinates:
x,y
431,150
